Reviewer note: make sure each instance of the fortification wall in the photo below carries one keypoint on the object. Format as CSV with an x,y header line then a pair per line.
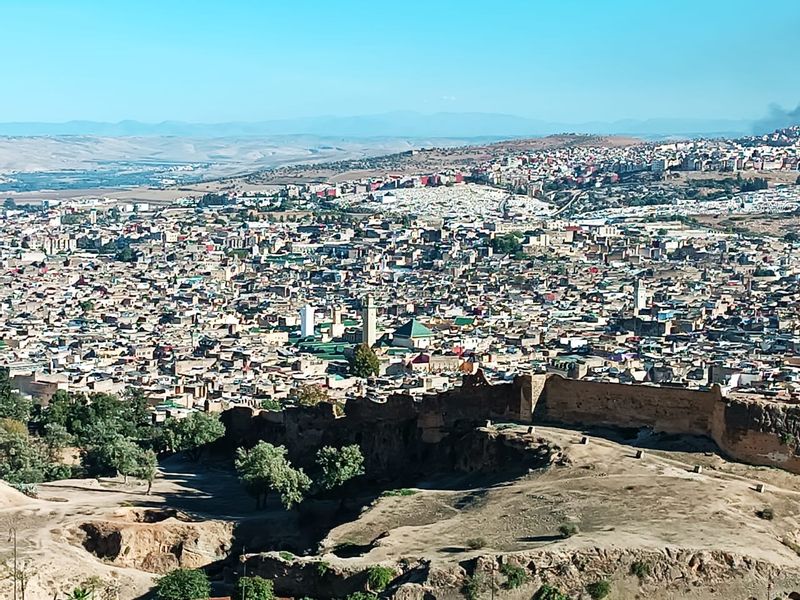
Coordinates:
x,y
664,409
402,432
751,430
758,431
393,436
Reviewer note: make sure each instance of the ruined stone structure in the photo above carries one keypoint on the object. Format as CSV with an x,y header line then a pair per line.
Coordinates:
x,y
756,431
403,431
393,436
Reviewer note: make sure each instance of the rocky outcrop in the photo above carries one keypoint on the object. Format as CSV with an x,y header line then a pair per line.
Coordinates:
x,y
160,546
632,573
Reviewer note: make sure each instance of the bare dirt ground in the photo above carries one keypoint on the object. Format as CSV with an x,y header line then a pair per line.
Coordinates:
x,y
617,501
48,528
769,224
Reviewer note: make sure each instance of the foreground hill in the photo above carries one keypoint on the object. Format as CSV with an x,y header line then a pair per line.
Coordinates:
x,y
651,527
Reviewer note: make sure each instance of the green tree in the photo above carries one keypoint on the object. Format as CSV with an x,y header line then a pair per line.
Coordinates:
x,y
183,584
147,468
309,395
265,468
271,404
509,243
114,455
339,464
57,438
364,362
253,588
791,237
192,433
24,459
379,577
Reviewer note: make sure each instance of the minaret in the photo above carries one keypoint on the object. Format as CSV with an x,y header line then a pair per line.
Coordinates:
x,y
306,321
369,317
639,297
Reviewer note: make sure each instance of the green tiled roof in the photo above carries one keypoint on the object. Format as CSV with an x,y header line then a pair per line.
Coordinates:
x,y
413,329
462,321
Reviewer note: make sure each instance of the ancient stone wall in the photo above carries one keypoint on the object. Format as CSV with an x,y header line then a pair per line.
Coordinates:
x,y
393,436
758,431
752,430
591,403
402,432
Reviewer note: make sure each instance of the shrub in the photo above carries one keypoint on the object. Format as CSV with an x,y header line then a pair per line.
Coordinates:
x,y
286,555
476,543
515,576
323,567
599,589
567,530
362,596
766,513
378,577
271,404
253,588
548,592
473,587
641,569
183,584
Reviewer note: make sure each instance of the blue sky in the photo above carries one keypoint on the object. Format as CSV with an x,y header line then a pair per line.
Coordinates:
x,y
238,60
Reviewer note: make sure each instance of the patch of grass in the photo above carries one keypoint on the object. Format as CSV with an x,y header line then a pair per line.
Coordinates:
x,y
641,569
323,567
787,439
515,575
378,577
286,555
599,589
567,530
473,586
766,513
476,543
398,492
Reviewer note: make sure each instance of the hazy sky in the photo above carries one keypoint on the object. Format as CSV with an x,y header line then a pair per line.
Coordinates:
x,y
570,60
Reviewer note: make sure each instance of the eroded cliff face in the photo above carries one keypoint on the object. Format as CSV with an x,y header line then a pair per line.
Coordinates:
x,y
670,573
157,543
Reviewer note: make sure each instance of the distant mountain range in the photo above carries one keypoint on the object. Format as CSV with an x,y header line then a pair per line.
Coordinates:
x,y
394,124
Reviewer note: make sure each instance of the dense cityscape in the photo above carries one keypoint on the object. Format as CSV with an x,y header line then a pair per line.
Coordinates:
x,y
400,301
585,261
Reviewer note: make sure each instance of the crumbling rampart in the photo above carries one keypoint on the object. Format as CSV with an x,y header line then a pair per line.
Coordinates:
x,y
402,431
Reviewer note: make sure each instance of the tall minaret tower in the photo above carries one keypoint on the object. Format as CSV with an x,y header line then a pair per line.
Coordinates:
x,y
639,297
369,317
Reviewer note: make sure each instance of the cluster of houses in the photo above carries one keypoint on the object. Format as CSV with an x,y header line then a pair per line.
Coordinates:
x,y
204,305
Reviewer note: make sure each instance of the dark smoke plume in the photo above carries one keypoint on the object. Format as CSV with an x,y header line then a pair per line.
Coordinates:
x,y
778,118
